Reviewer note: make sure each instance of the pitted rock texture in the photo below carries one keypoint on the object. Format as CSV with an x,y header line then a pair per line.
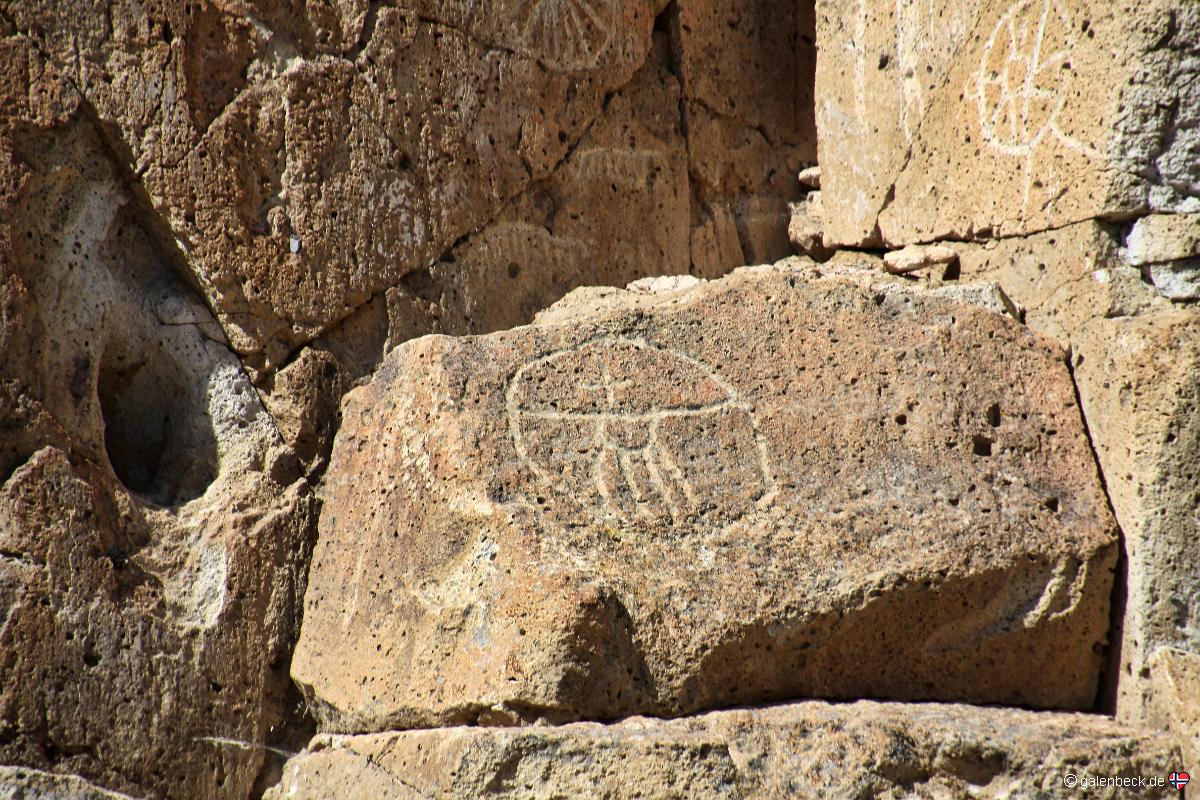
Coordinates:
x,y
705,497
154,528
1133,355
1175,677
311,158
863,749
1140,391
1004,117
20,783
348,175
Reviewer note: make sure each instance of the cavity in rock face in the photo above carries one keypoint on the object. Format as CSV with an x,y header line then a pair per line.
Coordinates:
x,y
153,536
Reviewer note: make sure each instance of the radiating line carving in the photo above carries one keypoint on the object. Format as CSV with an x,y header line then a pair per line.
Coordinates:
x,y
569,35
639,433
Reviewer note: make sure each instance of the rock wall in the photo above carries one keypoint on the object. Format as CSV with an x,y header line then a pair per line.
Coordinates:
x,y
245,498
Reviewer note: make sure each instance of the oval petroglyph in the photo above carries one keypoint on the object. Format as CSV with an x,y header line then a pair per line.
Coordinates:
x,y
637,433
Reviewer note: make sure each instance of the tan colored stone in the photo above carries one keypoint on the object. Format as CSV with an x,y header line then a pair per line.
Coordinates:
x,y
1176,280
755,508
746,68
343,149
806,230
812,749
810,177
918,257
616,210
1175,678
1140,393
715,244
329,157
664,284
314,162
1162,237
154,529
21,783
1003,117
1135,356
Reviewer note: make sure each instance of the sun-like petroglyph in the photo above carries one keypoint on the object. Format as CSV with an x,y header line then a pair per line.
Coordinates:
x,y
569,35
1024,81
639,434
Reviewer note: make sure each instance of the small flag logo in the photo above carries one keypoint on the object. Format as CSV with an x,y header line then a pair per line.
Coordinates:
x,y
1179,780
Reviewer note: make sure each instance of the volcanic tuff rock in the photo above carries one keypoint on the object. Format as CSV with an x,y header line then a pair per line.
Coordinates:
x,y
154,529
20,783
1134,356
1175,678
720,495
335,170
218,216
1004,117
811,749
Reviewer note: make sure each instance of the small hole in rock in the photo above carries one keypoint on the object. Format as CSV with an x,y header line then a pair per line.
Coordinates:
x,y
157,434
981,446
993,415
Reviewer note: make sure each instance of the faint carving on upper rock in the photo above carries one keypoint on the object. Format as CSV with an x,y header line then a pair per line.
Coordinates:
x,y
566,34
1017,97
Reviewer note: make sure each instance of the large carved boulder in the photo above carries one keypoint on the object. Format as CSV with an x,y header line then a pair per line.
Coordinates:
x,y
764,487
864,749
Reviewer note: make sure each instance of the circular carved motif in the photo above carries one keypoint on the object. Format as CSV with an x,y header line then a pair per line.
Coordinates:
x,y
569,35
1024,75
638,433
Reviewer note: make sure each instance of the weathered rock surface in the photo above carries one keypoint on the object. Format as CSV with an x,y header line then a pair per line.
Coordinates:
x,y
1163,237
1140,392
21,783
674,502
340,148
1175,681
1004,117
806,228
154,529
1135,357
351,171
918,257
810,749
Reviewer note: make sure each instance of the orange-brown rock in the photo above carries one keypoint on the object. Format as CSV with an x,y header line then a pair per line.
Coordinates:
x,y
1134,355
154,528
725,494
1003,117
812,749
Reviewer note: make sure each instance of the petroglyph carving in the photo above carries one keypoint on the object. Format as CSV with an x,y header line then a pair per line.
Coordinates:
x,y
1024,81
532,244
639,434
628,169
566,34
1024,76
